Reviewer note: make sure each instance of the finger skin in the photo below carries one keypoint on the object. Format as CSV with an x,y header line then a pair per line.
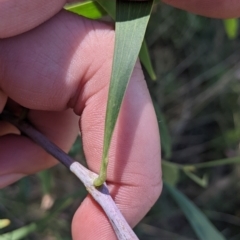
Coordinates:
x,y
70,60
134,165
209,8
14,14
20,16
20,155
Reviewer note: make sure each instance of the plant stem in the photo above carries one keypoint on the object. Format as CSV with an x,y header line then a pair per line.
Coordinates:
x,y
101,195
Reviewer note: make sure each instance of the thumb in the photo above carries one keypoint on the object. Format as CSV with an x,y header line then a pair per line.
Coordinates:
x,y
20,16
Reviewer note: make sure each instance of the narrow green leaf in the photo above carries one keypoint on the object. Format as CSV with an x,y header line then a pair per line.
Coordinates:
x,y
146,60
203,228
171,164
20,233
166,141
131,23
203,182
110,7
220,162
89,9
98,9
231,27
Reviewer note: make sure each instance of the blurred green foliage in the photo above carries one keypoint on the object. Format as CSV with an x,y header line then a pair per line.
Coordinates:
x,y
197,97
231,27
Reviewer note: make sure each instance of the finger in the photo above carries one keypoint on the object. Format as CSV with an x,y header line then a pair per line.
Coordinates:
x,y
7,128
20,16
43,68
43,75
214,8
134,161
71,66
20,156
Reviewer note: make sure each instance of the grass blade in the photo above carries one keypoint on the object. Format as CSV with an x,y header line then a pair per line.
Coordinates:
x,y
20,233
146,61
216,163
203,182
166,141
131,23
110,7
203,228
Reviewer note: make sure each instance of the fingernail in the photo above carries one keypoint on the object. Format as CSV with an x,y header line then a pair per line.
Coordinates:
x,y
8,128
8,179
3,100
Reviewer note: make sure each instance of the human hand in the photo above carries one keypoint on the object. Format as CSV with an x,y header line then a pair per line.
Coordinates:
x,y
58,65
209,8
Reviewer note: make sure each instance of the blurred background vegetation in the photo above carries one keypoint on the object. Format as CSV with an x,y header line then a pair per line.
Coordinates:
x,y
197,97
